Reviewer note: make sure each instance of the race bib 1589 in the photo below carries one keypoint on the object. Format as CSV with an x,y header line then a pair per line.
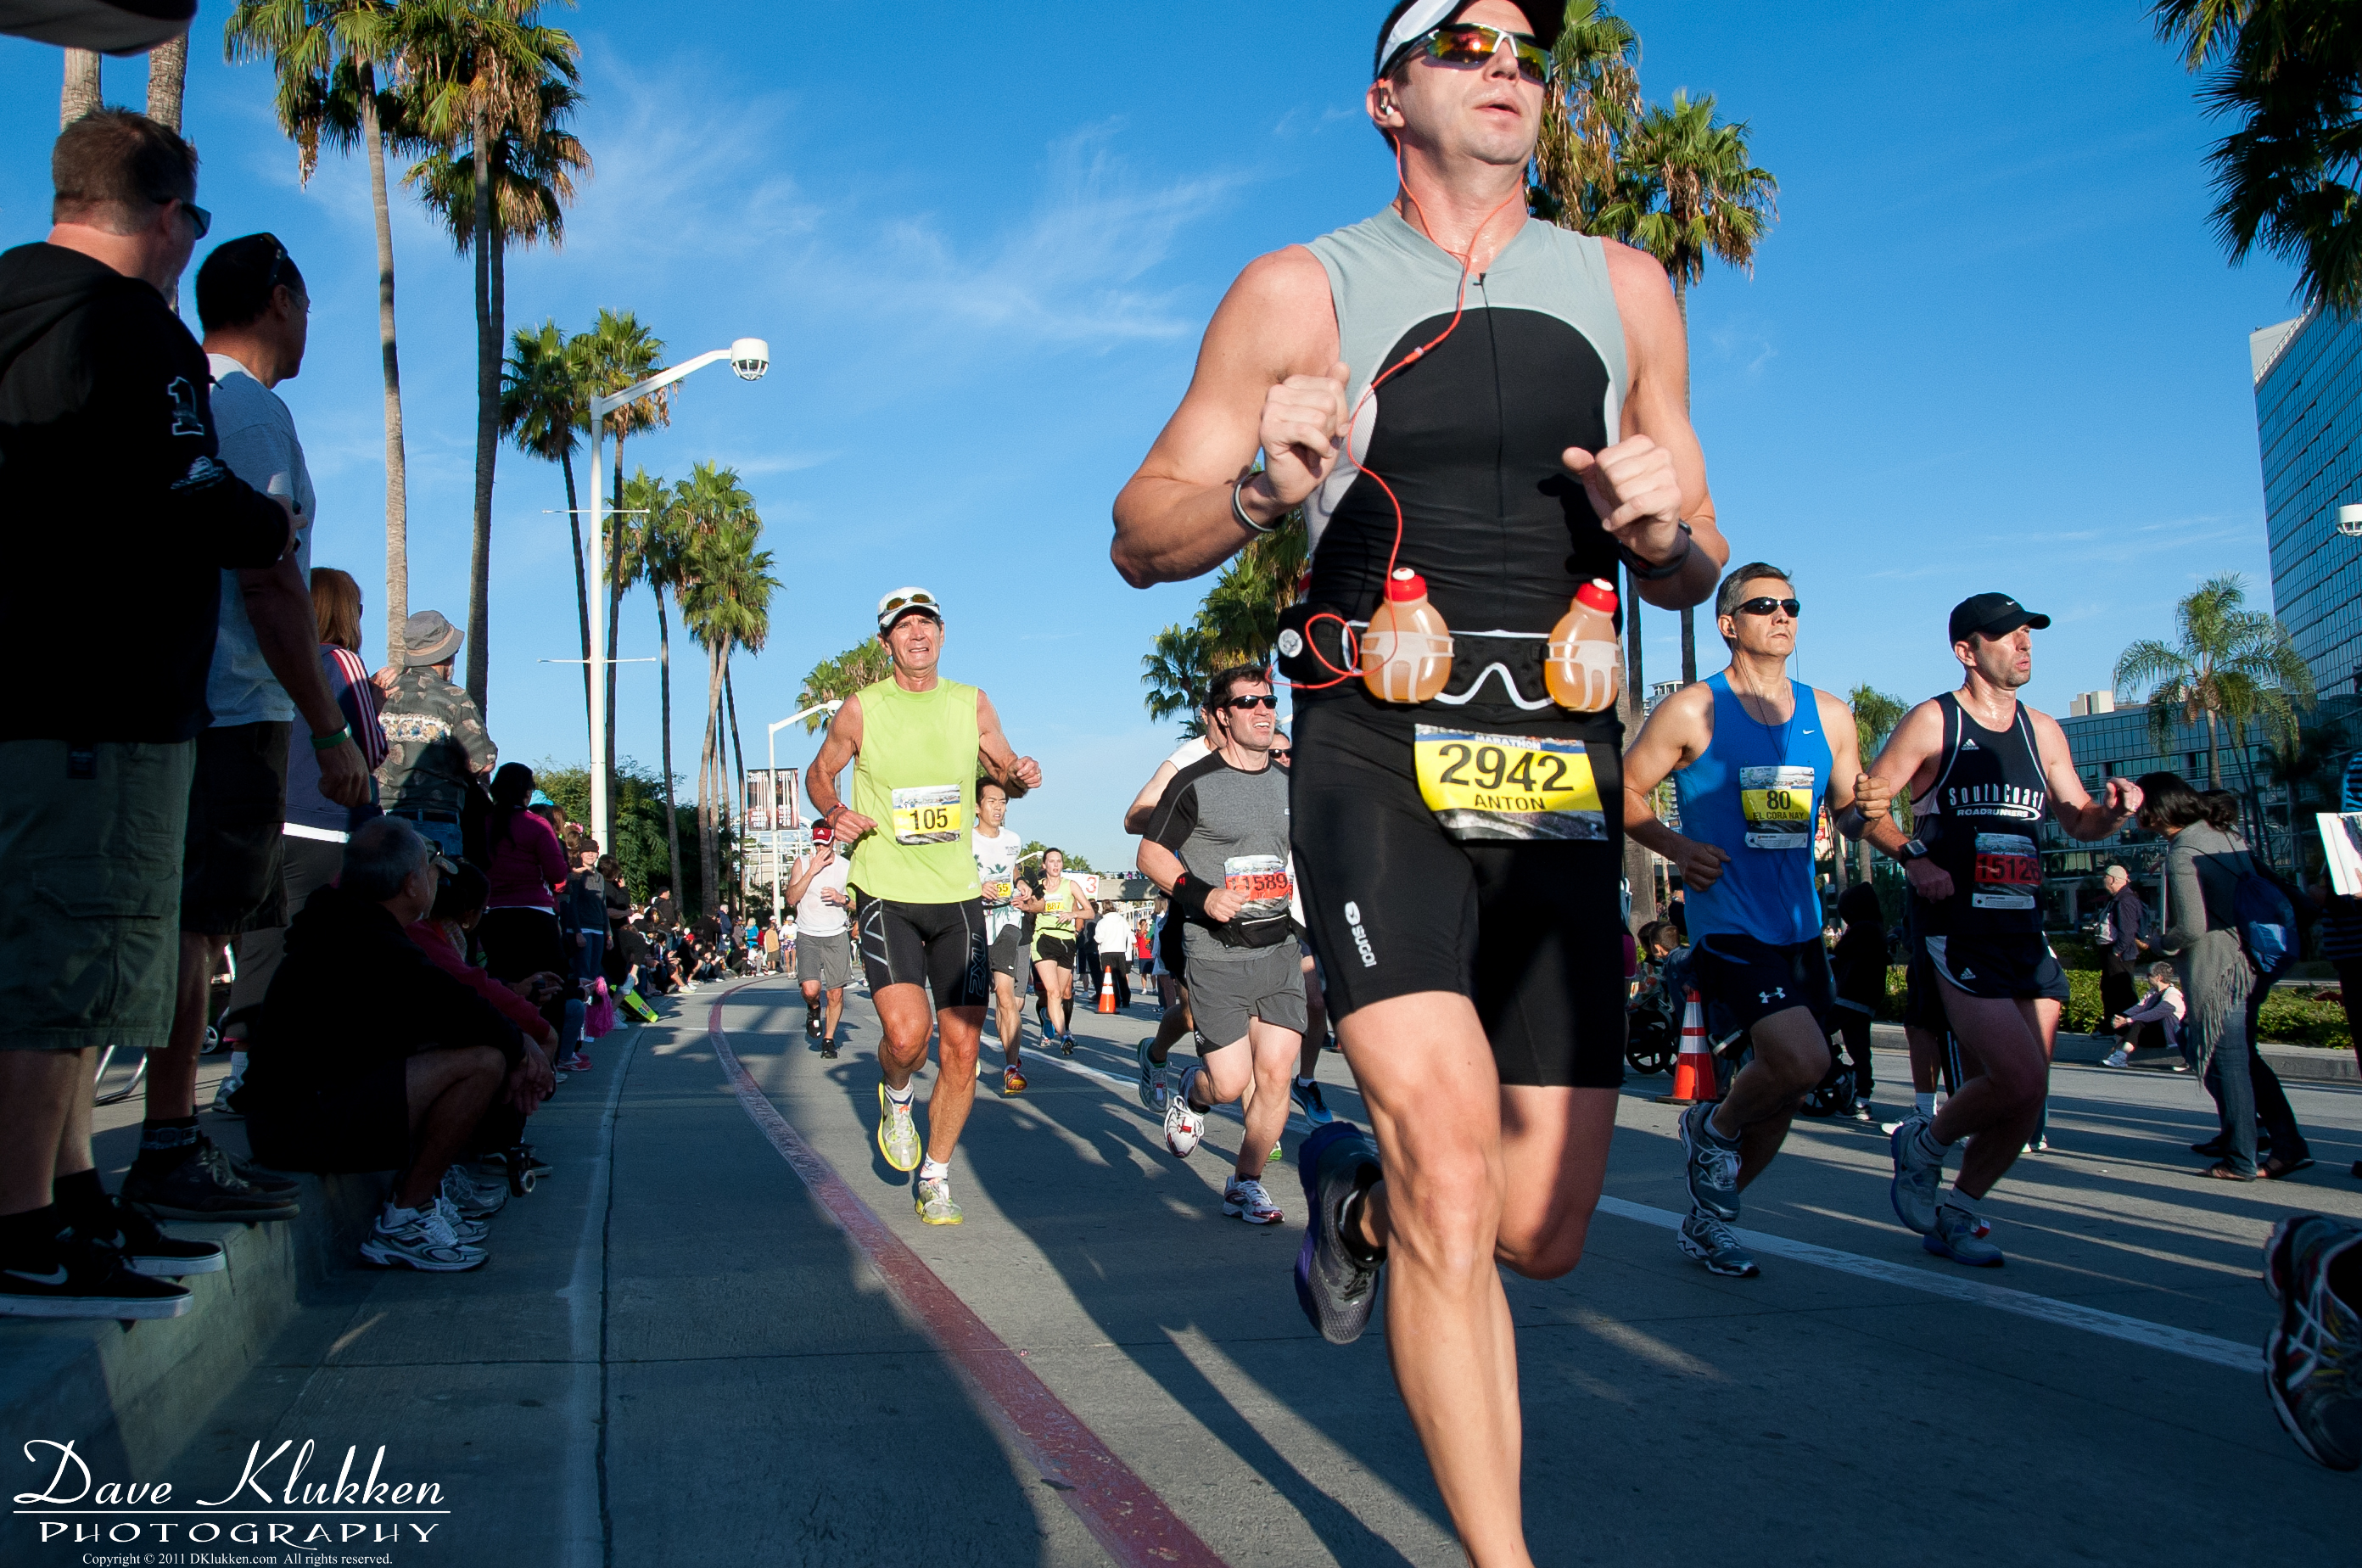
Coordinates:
x,y
932,814
2008,872
1777,802
1262,881
1514,787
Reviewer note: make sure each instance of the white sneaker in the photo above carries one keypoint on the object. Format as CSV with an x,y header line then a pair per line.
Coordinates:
x,y
1243,1198
1184,1127
419,1239
2119,1059
467,1233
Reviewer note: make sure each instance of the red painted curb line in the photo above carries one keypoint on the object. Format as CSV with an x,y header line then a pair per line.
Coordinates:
x,y
1117,1507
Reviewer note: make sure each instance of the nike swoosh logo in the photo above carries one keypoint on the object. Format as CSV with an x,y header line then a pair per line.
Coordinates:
x,y
57,1276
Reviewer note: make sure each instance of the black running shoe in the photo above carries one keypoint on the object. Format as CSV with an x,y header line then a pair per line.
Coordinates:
x,y
1336,1289
201,1186
147,1250
79,1278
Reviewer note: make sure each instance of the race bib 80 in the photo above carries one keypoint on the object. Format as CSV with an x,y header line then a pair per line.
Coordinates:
x,y
932,814
1777,802
1508,786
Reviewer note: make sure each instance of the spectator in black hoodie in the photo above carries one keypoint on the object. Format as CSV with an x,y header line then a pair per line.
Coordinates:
x,y
367,1056
107,456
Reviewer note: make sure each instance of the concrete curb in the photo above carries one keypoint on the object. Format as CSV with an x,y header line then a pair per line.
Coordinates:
x,y
2313,1064
128,1394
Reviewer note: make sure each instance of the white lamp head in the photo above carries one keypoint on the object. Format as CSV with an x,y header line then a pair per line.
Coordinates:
x,y
750,356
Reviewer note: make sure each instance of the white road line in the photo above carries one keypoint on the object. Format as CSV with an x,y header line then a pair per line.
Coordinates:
x,y
586,1539
2066,1314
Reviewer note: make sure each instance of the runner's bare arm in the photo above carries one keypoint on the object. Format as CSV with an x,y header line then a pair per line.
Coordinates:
x,y
2083,817
843,743
1144,805
1654,477
1159,864
1849,785
1675,735
810,867
1908,761
1266,378
1000,759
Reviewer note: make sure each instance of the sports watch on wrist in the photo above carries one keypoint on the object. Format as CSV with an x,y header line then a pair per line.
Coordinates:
x,y
1912,850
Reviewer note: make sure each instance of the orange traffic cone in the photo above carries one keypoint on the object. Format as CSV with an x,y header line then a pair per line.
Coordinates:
x,y
1694,1079
1106,990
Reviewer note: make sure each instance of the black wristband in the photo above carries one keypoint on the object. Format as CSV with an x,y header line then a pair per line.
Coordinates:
x,y
1189,895
1647,570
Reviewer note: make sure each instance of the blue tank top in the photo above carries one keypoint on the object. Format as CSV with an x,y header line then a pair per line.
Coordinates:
x,y
1756,795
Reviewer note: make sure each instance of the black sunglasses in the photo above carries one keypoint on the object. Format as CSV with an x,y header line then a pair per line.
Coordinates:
x,y
198,215
1247,704
1765,607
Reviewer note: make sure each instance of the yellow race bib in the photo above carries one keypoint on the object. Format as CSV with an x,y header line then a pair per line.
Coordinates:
x,y
932,814
1777,804
1508,786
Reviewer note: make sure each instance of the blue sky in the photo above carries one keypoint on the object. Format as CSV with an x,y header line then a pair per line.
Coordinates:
x,y
1990,344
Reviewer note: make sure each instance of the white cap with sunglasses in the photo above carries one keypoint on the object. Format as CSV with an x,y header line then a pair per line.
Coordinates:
x,y
1428,16
904,602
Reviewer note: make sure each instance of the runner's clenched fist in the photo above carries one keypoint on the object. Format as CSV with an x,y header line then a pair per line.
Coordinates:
x,y
1301,435
1635,490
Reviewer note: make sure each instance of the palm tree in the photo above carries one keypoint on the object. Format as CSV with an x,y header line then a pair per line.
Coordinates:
x,y
650,539
80,93
544,403
616,352
481,68
327,56
2288,71
1595,98
833,679
1240,616
2229,664
167,80
727,605
1175,672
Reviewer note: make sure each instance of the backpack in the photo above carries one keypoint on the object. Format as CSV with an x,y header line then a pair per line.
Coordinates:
x,y
2265,922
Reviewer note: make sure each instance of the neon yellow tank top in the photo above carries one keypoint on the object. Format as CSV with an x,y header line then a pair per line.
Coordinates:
x,y
915,778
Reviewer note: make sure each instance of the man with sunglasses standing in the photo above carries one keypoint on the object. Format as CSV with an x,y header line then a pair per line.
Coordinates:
x,y
1451,391
1218,848
915,741
123,516
1753,754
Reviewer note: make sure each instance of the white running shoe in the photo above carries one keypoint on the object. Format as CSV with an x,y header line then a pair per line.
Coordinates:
x,y
1243,1198
420,1239
1183,1126
2118,1058
467,1233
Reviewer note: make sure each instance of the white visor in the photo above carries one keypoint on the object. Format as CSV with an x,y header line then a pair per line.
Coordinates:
x,y
1423,17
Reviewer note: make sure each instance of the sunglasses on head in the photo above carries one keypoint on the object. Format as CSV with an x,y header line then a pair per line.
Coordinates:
x,y
1248,704
1765,607
1470,45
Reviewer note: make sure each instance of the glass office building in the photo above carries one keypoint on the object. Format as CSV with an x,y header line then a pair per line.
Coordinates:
x,y
2308,412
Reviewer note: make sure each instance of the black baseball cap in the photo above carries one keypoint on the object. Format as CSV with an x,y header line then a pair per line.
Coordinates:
x,y
1994,614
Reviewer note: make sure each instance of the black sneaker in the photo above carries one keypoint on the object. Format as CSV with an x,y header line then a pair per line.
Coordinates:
x,y
255,1176
1336,1289
201,1186
828,1049
83,1279
145,1250
812,1022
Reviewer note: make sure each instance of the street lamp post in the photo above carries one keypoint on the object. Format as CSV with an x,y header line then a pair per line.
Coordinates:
x,y
749,357
777,884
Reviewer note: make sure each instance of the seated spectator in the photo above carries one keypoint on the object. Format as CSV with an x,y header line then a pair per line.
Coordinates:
x,y
367,1056
2163,1007
443,937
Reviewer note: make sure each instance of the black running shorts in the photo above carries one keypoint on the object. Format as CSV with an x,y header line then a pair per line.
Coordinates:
x,y
1006,953
940,946
1058,950
1169,946
1753,979
1530,930
2017,967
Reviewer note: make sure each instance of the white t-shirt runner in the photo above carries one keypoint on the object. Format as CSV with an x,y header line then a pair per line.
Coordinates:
x,y
815,916
995,871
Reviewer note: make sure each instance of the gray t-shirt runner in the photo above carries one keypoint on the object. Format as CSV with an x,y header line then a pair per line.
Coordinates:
x,y
1229,830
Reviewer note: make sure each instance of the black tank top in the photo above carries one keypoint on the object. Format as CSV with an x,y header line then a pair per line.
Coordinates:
x,y
1979,821
1469,440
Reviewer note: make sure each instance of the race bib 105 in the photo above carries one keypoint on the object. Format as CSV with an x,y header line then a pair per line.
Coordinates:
x,y
1508,786
934,813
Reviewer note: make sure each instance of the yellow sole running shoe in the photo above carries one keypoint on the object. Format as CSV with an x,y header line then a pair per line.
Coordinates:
x,y
898,1135
1012,1081
935,1202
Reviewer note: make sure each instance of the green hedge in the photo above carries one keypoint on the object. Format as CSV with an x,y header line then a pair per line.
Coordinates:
x,y
2289,1016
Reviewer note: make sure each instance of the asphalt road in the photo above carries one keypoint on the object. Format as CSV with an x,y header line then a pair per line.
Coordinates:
x,y
678,1355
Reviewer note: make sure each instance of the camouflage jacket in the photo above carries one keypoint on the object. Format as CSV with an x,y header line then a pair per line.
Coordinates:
x,y
435,743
